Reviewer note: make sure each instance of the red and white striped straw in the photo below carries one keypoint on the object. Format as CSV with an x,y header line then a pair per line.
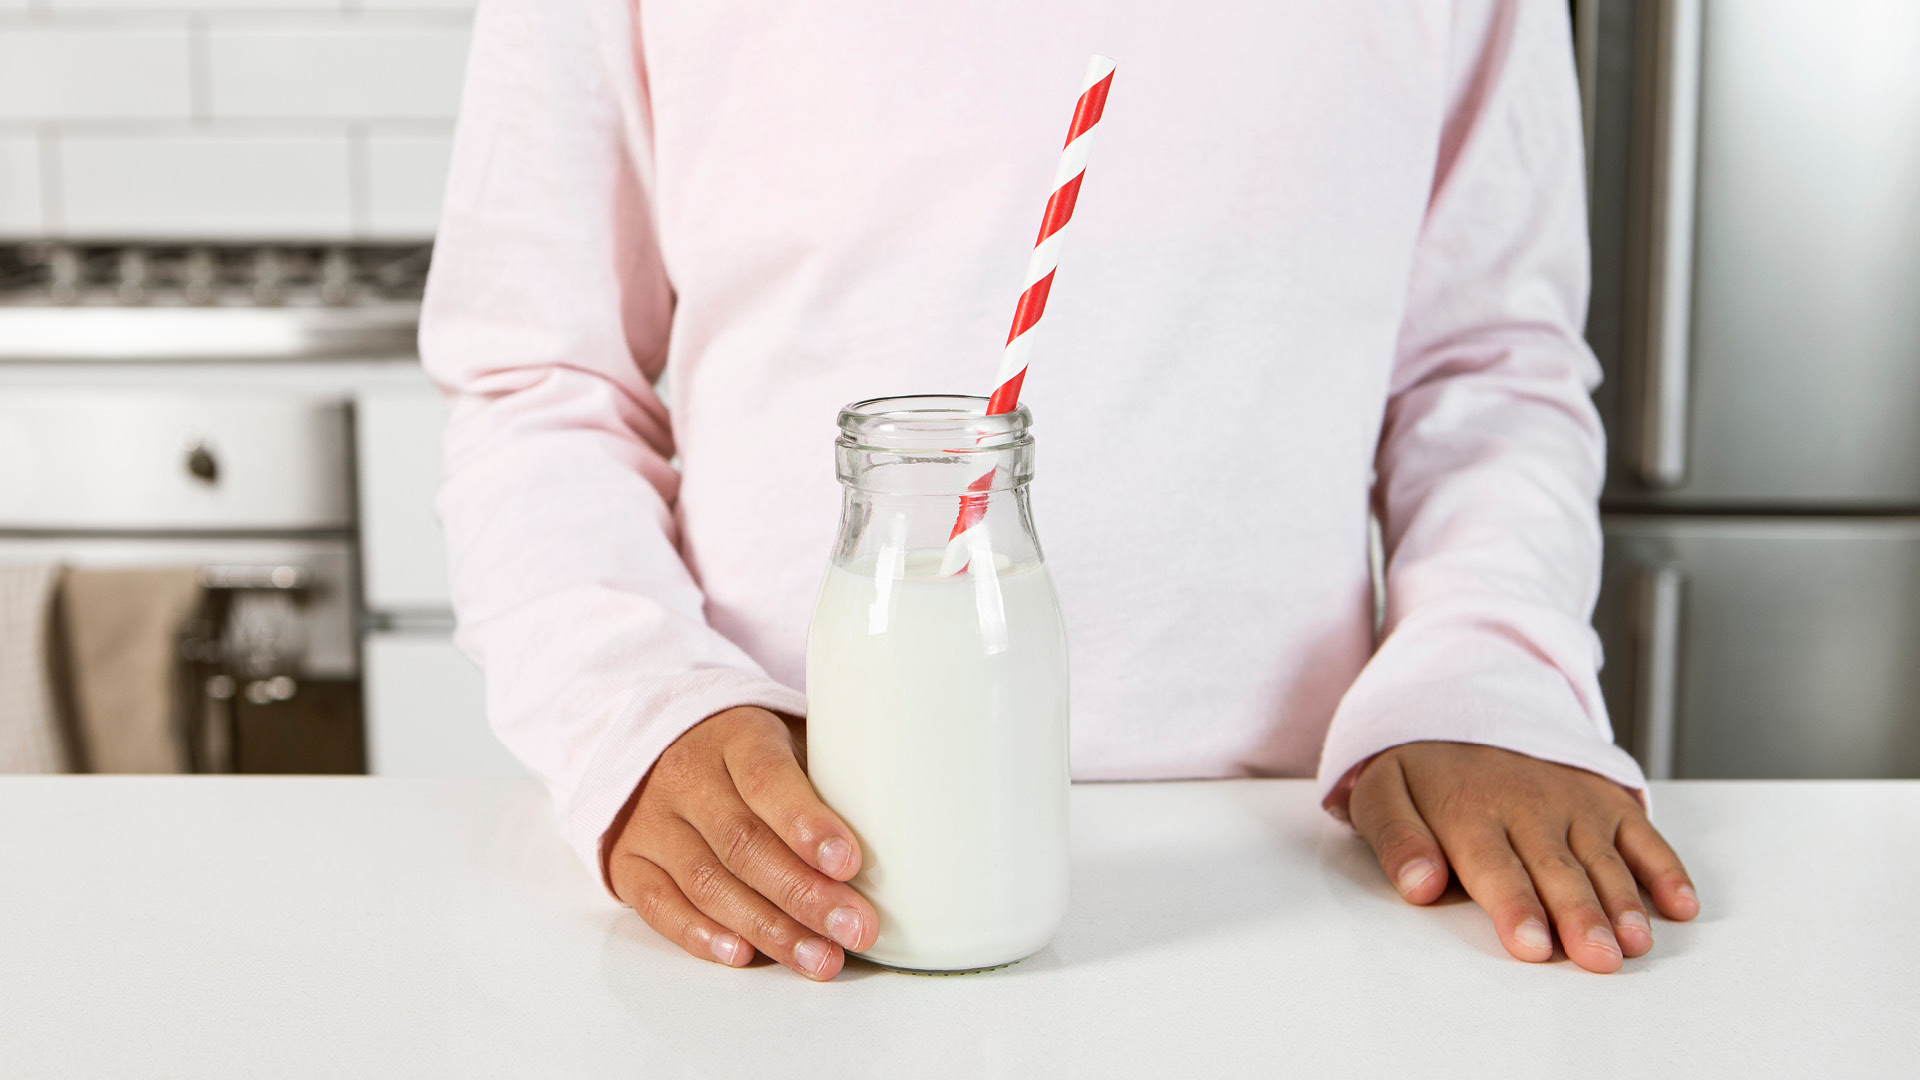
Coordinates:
x,y
1053,228
1033,291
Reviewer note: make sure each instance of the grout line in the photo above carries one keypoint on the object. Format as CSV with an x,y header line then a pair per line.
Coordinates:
x,y
266,18
124,127
44,14
52,206
89,20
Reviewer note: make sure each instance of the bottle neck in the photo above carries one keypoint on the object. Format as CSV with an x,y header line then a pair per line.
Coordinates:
x,y
911,466
933,445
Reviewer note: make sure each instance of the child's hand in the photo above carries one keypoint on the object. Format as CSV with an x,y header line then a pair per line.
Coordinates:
x,y
1521,833
726,849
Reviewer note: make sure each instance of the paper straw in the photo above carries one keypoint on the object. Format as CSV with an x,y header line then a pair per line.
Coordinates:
x,y
1053,227
1033,291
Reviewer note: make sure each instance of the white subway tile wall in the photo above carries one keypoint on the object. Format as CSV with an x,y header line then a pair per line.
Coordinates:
x,y
209,5
404,179
352,70
203,185
215,119
413,5
19,183
95,73
198,5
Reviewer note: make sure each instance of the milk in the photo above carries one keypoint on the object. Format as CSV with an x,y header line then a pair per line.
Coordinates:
x,y
937,728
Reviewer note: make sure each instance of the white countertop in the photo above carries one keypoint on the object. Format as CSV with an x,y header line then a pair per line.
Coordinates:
x,y
354,927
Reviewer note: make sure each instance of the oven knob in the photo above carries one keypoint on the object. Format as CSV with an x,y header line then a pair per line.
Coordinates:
x,y
201,462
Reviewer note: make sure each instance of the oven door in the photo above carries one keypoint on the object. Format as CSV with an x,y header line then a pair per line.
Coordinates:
x,y
301,716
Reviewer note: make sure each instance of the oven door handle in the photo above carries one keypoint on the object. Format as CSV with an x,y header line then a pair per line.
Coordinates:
x,y
244,576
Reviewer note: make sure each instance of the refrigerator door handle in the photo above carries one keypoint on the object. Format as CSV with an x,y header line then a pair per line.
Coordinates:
x,y
1657,669
1662,443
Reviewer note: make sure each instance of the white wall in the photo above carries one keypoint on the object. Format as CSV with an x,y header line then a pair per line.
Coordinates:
x,y
227,119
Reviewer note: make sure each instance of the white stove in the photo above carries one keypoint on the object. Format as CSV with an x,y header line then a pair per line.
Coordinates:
x,y
255,409
213,302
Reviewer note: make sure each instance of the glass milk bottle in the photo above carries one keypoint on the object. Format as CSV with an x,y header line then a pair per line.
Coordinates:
x,y
937,685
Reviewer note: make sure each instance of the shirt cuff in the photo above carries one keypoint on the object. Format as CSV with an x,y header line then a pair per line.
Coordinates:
x,y
1480,687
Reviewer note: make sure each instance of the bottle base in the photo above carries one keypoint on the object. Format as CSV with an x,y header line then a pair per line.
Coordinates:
x,y
935,972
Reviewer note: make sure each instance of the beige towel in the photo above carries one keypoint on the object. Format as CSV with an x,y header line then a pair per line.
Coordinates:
x,y
30,739
122,629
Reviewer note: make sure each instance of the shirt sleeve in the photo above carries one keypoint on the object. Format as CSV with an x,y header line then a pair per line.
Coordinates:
x,y
1491,453
546,324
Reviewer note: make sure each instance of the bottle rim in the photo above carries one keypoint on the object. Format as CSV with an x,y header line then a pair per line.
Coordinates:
x,y
951,423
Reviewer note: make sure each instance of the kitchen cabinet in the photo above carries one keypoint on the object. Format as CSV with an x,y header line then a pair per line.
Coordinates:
x,y
426,710
397,435
426,704
1764,647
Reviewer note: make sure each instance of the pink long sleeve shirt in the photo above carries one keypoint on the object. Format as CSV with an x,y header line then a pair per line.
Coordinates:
x,y
1327,257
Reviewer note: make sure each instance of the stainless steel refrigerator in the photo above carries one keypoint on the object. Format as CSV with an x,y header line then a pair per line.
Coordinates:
x,y
1755,199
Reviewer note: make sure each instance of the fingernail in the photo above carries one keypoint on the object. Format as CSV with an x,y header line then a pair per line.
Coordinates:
x,y
1532,934
1602,938
726,948
811,955
835,855
1636,922
1685,892
844,926
1414,874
